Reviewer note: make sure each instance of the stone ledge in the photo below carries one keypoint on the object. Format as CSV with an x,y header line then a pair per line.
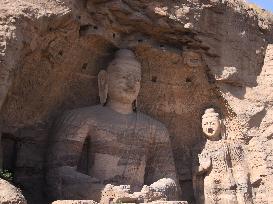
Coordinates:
x,y
74,202
93,202
169,202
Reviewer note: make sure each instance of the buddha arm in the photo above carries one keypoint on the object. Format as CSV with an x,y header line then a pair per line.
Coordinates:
x,y
63,179
161,162
67,142
204,161
240,172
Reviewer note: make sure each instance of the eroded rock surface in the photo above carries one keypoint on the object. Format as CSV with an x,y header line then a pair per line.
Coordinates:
x,y
161,190
74,202
194,55
92,202
10,194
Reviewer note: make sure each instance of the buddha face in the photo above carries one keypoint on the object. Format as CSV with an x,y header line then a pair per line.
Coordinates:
x,y
123,82
211,127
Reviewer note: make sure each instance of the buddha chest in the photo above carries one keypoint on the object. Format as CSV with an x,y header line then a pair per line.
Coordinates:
x,y
118,150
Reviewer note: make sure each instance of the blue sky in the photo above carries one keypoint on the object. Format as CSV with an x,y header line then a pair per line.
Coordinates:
x,y
267,4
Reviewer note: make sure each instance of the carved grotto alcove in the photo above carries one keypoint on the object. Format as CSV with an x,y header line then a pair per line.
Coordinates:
x,y
192,58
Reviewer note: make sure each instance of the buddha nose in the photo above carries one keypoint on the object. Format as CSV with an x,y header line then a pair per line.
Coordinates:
x,y
131,83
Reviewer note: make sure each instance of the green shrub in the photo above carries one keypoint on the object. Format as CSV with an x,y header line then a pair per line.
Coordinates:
x,y
6,175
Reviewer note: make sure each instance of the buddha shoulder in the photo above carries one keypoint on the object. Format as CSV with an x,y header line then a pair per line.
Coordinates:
x,y
80,115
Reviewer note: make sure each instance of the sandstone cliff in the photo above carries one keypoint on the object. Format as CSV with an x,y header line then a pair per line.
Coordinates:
x,y
194,54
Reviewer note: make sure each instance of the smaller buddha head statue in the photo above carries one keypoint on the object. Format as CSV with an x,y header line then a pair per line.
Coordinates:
x,y
211,124
121,81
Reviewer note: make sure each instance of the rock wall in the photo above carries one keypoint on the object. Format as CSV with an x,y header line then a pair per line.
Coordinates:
x,y
10,194
194,54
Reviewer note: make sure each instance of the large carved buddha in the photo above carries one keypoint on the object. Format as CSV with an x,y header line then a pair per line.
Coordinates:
x,y
124,146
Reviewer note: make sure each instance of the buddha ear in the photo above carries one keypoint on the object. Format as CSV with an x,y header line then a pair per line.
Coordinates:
x,y
103,86
223,129
135,105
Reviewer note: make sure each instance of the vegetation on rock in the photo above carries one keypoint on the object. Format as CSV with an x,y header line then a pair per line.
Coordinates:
x,y
6,175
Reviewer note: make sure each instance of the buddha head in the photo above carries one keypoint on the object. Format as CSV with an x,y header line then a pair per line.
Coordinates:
x,y
211,124
121,81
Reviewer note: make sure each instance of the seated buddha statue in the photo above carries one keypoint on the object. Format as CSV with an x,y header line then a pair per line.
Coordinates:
x,y
124,146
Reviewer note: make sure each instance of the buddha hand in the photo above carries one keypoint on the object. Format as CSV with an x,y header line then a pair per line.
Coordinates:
x,y
205,161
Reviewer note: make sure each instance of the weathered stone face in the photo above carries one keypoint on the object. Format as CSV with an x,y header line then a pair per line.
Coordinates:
x,y
211,127
124,77
211,124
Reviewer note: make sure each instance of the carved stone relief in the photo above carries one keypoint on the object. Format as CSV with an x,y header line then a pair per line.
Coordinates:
x,y
124,146
222,175
161,190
